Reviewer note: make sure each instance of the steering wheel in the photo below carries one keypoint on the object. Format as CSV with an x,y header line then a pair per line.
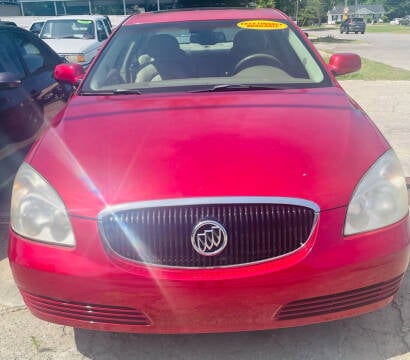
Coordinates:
x,y
258,57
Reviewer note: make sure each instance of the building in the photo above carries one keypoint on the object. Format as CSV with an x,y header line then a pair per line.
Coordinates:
x,y
111,7
69,7
9,8
371,13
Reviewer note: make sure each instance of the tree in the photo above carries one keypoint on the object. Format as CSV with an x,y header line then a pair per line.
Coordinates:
x,y
266,3
310,12
397,8
287,6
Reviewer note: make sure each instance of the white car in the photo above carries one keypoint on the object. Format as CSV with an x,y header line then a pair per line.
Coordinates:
x,y
396,21
76,38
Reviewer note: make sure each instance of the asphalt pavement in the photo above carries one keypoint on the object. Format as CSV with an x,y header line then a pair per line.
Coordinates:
x,y
389,48
384,334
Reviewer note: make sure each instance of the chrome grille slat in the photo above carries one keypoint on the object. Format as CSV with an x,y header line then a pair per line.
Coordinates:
x,y
86,312
162,235
347,300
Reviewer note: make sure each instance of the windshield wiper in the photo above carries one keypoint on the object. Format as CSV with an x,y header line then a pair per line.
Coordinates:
x,y
236,87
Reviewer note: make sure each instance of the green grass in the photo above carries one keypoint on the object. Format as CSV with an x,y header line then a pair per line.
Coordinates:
x,y
374,70
387,28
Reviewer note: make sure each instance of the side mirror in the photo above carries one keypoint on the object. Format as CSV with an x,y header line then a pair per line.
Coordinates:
x,y
9,80
69,73
344,63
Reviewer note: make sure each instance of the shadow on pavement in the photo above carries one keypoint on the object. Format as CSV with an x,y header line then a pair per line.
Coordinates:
x,y
4,222
379,335
3,240
331,39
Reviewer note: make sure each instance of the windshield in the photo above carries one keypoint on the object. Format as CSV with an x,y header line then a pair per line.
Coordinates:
x,y
68,29
201,55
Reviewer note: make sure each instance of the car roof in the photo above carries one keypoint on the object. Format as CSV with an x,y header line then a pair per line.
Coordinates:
x,y
204,14
77,17
13,28
7,23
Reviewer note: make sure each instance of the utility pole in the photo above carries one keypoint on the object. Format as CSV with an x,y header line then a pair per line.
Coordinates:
x,y
297,11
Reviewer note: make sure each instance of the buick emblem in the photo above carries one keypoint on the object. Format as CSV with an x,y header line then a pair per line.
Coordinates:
x,y
209,238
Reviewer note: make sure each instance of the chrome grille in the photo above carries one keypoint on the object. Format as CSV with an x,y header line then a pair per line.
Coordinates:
x,y
162,235
95,313
339,302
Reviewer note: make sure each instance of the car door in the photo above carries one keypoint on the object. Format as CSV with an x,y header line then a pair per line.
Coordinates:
x,y
13,104
39,62
24,108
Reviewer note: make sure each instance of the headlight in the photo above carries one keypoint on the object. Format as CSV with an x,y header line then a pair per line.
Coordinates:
x,y
380,198
37,212
78,58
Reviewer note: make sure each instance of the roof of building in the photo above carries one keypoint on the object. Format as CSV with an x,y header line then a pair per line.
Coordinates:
x,y
366,9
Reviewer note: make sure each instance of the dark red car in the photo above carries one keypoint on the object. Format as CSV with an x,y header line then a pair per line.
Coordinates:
x,y
208,175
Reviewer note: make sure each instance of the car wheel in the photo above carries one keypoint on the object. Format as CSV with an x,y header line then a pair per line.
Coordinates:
x,y
362,32
356,32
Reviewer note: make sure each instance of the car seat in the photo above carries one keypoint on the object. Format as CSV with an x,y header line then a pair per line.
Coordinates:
x,y
166,60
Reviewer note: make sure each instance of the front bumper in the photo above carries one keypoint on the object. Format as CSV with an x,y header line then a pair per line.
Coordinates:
x,y
355,28
85,287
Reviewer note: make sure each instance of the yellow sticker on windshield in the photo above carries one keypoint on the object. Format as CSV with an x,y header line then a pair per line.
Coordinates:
x,y
84,21
262,25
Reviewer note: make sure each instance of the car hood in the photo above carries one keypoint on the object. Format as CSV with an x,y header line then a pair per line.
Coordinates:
x,y
107,150
72,46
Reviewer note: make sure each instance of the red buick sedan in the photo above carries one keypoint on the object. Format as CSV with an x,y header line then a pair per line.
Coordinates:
x,y
209,174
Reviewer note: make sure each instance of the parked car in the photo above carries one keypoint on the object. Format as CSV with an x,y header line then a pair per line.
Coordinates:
x,y
209,174
28,95
8,23
36,27
83,36
405,20
354,24
396,21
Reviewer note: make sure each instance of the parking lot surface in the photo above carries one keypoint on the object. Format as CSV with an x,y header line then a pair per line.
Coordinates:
x,y
384,334
389,48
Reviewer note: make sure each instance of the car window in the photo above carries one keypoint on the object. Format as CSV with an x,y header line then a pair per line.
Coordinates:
x,y
31,54
107,26
101,33
191,56
9,61
68,29
36,26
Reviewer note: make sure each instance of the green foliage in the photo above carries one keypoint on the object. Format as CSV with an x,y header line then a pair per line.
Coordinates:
x,y
309,13
397,8
266,3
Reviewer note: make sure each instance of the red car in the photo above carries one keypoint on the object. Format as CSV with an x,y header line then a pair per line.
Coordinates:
x,y
208,175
